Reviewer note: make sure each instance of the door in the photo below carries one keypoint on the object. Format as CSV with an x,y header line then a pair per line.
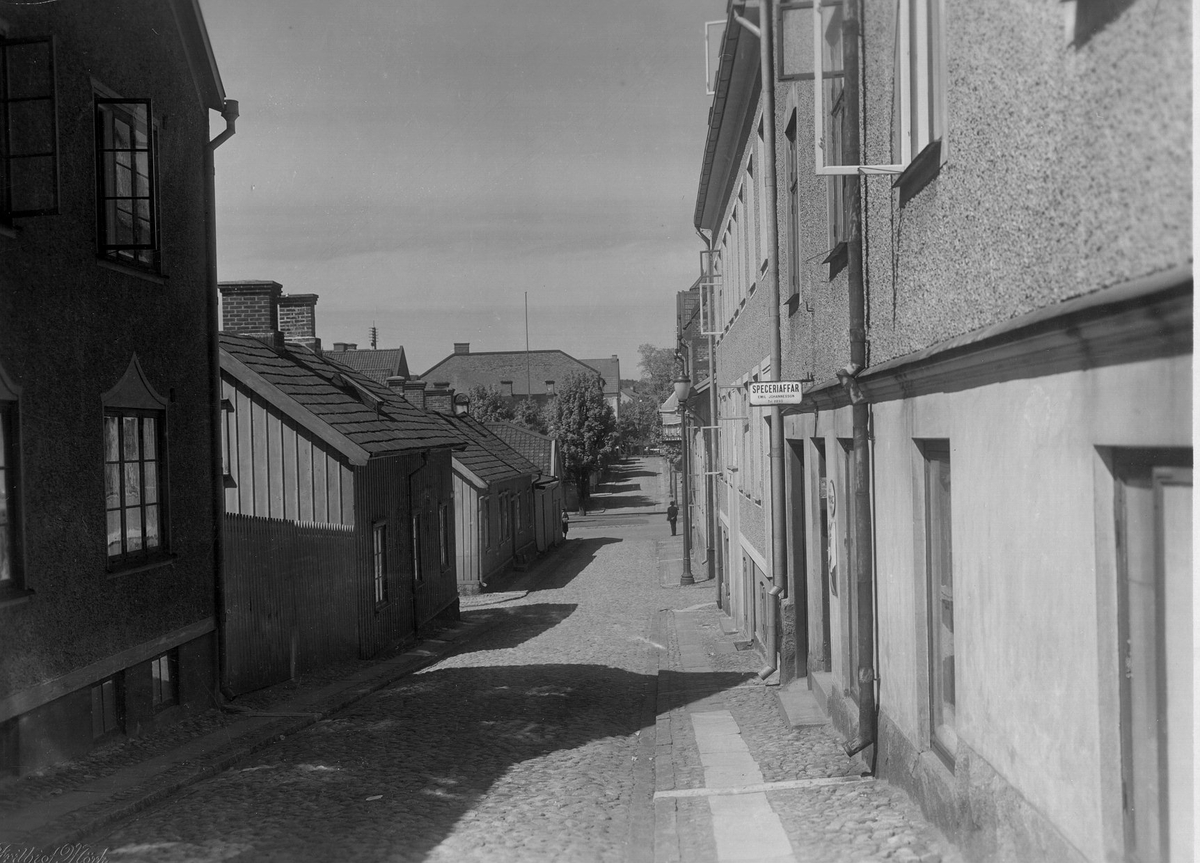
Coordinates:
x,y
798,546
1155,636
824,661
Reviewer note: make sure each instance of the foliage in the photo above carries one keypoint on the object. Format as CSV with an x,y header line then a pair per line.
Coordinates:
x,y
582,421
488,405
658,370
531,415
641,425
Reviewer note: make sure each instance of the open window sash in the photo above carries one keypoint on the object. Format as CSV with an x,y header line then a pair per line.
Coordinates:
x,y
826,67
710,284
28,128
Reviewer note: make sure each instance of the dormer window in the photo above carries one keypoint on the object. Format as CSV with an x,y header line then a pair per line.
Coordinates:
x,y
126,182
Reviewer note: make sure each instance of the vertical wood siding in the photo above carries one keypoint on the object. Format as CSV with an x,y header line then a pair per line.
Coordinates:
x,y
281,471
466,533
290,596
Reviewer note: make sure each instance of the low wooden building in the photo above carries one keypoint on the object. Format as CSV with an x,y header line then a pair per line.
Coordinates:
x,y
338,505
548,503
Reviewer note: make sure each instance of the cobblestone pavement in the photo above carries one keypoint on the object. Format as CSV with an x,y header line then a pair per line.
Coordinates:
x,y
537,741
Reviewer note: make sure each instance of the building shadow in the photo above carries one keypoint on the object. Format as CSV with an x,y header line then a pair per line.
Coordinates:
x,y
513,625
554,575
392,776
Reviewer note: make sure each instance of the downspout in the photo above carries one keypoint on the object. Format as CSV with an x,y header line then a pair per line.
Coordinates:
x,y
764,31
860,411
230,114
710,442
412,511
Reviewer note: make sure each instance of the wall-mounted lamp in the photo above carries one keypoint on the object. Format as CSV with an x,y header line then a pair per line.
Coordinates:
x,y
683,389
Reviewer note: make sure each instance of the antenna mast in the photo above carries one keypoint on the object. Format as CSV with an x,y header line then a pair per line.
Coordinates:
x,y
528,384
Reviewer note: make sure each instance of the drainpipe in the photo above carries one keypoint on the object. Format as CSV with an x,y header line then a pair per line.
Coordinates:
x,y
766,23
710,442
216,415
860,411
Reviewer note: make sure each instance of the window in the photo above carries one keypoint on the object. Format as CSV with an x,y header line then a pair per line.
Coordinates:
x,y
763,221
835,104
939,565
793,212
549,388
107,712
506,388
133,483
1155,638
517,509
919,103
126,193
444,535
418,557
28,129
10,490
164,680
228,441
485,523
379,561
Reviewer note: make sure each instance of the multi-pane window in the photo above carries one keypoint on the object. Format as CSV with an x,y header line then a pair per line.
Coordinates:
x,y
919,97
379,561
485,523
835,104
940,584
418,561
133,483
228,439
164,680
126,193
107,712
10,571
793,205
28,129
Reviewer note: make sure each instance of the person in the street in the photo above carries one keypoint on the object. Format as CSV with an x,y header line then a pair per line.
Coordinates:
x,y
672,515
566,523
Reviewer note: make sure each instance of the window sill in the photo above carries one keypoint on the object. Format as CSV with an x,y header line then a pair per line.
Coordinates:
x,y
14,597
229,481
837,259
118,570
793,303
128,270
919,173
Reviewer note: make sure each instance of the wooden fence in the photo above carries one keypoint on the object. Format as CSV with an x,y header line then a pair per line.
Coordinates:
x,y
291,596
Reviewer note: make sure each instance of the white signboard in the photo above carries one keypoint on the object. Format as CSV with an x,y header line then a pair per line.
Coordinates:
x,y
775,393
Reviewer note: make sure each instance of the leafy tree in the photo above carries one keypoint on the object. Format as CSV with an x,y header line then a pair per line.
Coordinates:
x,y
583,422
488,405
531,415
658,370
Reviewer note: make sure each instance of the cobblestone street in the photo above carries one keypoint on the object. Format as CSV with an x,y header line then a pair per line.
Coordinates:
x,y
537,740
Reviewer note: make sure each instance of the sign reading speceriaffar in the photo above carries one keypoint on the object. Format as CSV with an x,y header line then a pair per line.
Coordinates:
x,y
775,393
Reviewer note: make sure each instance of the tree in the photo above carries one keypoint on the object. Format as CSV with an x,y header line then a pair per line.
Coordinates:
x,y
583,423
658,370
488,405
530,414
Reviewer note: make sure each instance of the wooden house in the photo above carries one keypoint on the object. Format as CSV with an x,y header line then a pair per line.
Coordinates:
x,y
548,502
338,504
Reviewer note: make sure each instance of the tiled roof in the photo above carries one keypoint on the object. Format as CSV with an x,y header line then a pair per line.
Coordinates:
x,y
610,370
368,413
535,447
488,369
378,364
485,455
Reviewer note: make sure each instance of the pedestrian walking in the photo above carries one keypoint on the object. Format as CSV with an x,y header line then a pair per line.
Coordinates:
x,y
566,523
672,515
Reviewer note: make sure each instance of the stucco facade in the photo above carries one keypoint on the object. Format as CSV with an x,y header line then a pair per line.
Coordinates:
x,y
1028,297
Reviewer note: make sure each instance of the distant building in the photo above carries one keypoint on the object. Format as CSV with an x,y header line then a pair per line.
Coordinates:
x,y
517,375
548,496
338,502
377,364
109,481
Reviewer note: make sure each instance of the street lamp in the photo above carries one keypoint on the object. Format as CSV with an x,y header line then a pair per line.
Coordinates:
x,y
683,391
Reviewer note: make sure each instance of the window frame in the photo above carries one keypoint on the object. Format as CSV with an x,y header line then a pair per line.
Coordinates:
x,y
942,735
113,250
169,661
8,212
418,553
101,729
135,557
444,535
379,561
11,475
919,106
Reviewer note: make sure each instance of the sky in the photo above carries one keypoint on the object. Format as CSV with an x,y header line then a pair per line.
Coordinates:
x,y
424,166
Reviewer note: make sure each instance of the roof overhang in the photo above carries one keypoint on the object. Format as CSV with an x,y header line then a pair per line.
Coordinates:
x,y
198,50
733,107
467,474
291,408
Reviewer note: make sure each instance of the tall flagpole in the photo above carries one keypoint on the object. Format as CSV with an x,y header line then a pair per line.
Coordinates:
x,y
528,384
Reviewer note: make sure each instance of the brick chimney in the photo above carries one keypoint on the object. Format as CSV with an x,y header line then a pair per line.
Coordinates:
x,y
298,319
462,347
440,399
250,308
345,346
414,392
397,382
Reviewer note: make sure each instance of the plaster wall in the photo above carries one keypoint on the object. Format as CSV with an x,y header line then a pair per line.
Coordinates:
x,y
1066,166
69,328
1025,568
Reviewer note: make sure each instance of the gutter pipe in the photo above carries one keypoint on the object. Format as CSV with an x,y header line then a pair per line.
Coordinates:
x,y
860,411
230,115
764,32
710,440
